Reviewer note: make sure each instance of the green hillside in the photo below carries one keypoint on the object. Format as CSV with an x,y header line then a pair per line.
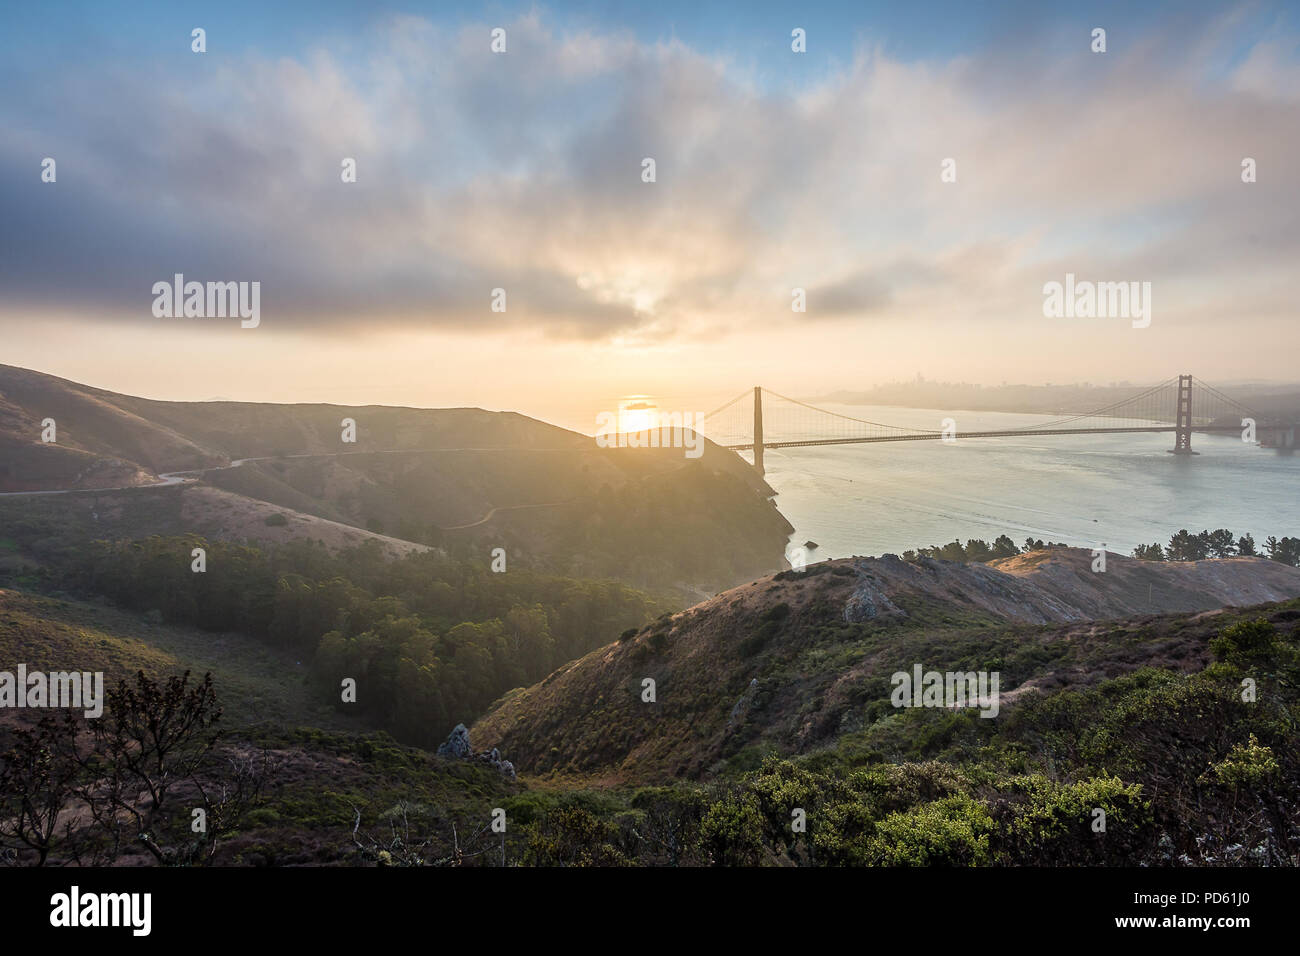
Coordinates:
x,y
462,479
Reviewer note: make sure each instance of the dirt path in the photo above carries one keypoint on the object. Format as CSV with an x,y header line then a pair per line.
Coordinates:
x,y
182,477
171,478
488,517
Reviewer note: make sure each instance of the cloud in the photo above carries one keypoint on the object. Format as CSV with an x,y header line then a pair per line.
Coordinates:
x,y
523,171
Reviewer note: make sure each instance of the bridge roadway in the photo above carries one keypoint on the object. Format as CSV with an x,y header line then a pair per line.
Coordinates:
x,y
1010,433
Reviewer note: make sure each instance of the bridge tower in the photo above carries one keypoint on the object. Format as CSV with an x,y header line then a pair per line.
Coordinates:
x,y
1183,424
758,430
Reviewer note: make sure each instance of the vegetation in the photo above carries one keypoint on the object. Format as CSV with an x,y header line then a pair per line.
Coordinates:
x,y
1221,543
978,550
1134,743
430,641
1156,766
145,776
1183,546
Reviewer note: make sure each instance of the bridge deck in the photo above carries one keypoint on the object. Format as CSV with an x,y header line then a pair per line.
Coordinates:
x,y
1010,433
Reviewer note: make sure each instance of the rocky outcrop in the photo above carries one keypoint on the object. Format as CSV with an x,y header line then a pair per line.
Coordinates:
x,y
868,601
457,744
1060,585
743,703
457,747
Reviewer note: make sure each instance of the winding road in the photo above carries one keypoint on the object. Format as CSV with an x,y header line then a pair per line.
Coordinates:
x,y
189,477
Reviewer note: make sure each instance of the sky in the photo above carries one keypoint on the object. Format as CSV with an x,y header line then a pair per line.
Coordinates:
x,y
921,171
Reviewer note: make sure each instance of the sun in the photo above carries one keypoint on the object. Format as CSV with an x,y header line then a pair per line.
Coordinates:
x,y
635,414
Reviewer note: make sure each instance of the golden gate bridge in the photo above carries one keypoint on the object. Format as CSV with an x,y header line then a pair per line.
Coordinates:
x,y
1181,405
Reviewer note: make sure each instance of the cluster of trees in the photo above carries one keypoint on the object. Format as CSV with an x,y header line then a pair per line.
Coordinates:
x,y
976,549
430,640
1222,543
1184,546
146,778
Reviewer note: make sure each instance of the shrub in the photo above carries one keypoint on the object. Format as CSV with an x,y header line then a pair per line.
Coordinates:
x,y
1245,640
1054,825
570,836
1248,765
777,612
731,832
949,832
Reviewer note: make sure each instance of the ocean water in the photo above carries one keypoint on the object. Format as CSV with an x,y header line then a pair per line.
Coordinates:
x,y
1116,490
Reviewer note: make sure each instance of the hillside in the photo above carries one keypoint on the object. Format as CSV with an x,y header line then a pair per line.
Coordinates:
x,y
462,479
325,768
45,528
1141,717
259,684
793,662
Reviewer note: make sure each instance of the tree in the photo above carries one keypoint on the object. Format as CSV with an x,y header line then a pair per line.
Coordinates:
x,y
38,781
1203,544
225,801
153,741
1220,543
1246,546
731,832
953,551
669,821
1286,551
154,735
1187,547
1149,552
1004,547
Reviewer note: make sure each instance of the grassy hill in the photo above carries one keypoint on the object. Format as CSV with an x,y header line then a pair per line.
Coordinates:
x,y
327,768
792,663
462,479
259,685
773,699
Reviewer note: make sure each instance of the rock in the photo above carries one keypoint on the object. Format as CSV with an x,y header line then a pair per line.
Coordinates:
x,y
868,601
744,698
743,703
457,744
457,747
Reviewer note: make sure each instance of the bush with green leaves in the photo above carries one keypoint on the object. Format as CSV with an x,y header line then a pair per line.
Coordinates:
x,y
731,832
571,836
1090,822
1246,641
1247,765
953,831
